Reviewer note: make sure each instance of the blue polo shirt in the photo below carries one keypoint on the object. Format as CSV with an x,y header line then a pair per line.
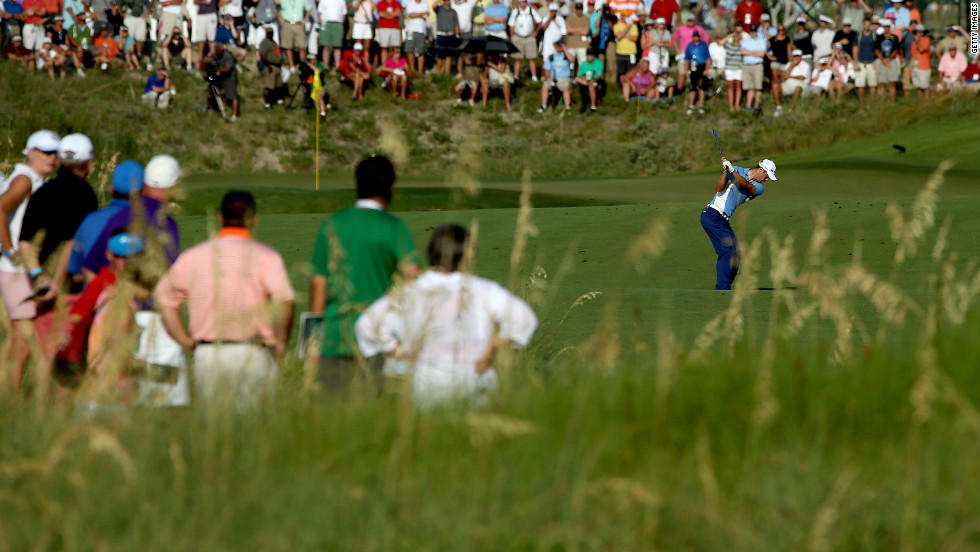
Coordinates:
x,y
559,66
89,230
124,218
497,11
156,81
727,200
753,43
697,53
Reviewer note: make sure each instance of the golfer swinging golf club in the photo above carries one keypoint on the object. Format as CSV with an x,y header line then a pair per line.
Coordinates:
x,y
735,186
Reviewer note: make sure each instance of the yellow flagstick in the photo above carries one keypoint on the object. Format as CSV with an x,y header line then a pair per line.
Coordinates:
x,y
315,92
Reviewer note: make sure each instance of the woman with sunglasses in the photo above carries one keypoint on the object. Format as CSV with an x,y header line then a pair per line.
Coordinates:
x,y
780,48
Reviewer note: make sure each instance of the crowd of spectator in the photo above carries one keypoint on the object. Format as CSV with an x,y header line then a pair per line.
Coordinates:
x,y
653,50
94,295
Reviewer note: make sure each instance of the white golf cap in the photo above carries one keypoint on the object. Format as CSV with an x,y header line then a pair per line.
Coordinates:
x,y
797,53
764,17
838,46
770,168
920,27
660,21
885,23
822,61
553,7
42,140
162,172
358,46
846,21
75,147
801,20
826,20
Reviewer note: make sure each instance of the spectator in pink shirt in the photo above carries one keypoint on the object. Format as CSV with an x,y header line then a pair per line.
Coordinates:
x,y
951,68
240,306
682,37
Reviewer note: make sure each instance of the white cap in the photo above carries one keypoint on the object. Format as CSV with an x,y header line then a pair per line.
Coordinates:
x,y
764,17
822,61
801,19
797,52
46,40
770,168
75,147
885,23
847,21
358,46
553,6
826,20
42,140
161,172
660,21
838,46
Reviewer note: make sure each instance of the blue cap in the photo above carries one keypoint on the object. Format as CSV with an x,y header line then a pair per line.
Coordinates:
x,y
126,244
128,177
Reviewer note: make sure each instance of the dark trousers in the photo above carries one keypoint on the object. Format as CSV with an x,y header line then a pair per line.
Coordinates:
x,y
726,246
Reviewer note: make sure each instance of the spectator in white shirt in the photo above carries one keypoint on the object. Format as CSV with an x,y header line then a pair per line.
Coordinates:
x,y
823,38
554,30
464,12
819,79
443,328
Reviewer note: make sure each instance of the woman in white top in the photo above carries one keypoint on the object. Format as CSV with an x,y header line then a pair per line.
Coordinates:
x,y
363,30
443,328
15,281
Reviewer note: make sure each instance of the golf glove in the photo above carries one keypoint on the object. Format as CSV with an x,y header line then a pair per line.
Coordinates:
x,y
727,166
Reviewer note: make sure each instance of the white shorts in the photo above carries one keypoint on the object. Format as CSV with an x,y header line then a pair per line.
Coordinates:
x,y
362,31
389,38
137,28
920,78
33,36
733,74
239,374
205,26
790,86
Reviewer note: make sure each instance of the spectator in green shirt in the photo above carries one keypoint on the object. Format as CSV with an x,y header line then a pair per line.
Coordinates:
x,y
588,79
358,251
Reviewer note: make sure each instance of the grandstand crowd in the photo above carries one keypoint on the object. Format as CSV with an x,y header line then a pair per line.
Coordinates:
x,y
653,50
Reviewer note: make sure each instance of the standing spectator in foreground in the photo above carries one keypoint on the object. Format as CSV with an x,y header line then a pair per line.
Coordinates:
x,y
272,60
753,50
749,12
697,61
735,186
557,72
358,251
864,54
159,89
389,27
147,217
802,39
659,46
171,17
887,66
781,49
239,304
447,36
231,37
733,70
464,13
205,26
921,61
292,14
716,48
228,80
136,14
447,325
524,24
846,36
823,38
333,14
951,69
15,280
33,30
416,14
668,10
127,182
55,211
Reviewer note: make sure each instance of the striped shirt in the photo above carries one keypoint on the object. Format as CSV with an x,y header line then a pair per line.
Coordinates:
x,y
733,56
228,283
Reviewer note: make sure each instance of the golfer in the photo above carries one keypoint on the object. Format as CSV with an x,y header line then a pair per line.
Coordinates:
x,y
736,186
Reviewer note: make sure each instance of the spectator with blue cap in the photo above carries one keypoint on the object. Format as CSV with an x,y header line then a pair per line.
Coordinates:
x,y
15,281
148,217
127,182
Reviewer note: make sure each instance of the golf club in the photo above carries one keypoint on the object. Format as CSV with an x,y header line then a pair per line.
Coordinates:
x,y
718,143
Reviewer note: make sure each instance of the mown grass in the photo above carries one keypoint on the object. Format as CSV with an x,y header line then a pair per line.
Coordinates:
x,y
625,140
